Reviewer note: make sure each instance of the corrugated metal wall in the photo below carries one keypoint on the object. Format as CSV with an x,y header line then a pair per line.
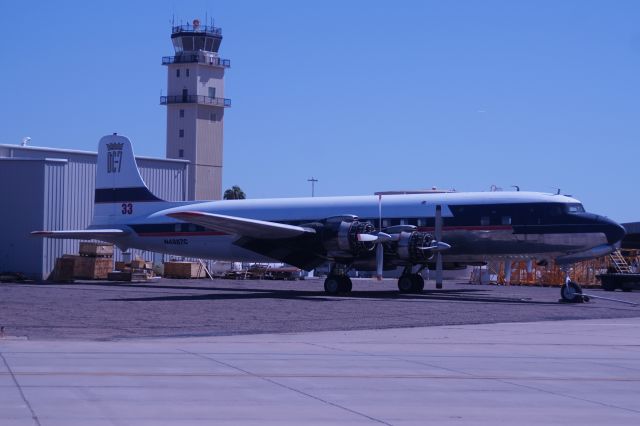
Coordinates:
x,y
68,187
54,211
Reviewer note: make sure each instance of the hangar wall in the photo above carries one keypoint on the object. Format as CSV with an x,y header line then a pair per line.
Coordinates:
x,y
53,189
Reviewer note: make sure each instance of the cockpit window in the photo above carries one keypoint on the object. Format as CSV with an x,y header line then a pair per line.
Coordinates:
x,y
575,208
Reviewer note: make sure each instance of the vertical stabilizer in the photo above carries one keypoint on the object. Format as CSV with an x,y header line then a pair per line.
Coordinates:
x,y
120,190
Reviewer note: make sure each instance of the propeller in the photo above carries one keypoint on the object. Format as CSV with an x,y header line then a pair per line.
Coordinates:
x,y
438,243
379,246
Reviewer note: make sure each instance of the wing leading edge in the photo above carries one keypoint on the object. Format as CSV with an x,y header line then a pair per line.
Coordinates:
x,y
252,228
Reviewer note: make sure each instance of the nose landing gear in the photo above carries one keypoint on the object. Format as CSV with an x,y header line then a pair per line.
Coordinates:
x,y
572,293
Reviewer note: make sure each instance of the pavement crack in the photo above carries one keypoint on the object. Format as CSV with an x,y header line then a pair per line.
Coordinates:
x,y
24,398
282,385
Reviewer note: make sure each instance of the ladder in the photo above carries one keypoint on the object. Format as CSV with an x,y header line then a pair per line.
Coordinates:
x,y
618,261
204,266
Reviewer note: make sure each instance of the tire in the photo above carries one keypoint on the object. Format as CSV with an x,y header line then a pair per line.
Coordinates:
x,y
332,285
418,283
345,284
405,284
571,292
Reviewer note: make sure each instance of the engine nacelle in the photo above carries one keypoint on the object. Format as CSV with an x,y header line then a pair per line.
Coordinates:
x,y
410,246
340,237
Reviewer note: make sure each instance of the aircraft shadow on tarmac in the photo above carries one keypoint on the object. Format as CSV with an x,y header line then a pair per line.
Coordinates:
x,y
467,295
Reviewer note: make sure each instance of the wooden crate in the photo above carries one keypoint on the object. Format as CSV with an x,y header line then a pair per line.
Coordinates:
x,y
184,270
119,276
96,249
63,271
138,263
91,268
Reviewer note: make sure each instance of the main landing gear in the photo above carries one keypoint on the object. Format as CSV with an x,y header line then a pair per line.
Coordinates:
x,y
410,283
335,284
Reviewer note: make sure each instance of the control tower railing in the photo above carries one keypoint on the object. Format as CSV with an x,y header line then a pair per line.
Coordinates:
x,y
202,59
188,28
195,99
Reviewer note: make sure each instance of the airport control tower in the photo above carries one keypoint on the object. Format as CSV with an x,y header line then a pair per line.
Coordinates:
x,y
195,106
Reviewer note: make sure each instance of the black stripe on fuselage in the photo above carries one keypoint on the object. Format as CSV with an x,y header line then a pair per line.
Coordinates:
x,y
522,218
119,195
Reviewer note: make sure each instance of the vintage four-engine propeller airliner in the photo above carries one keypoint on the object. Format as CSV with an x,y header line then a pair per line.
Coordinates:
x,y
373,233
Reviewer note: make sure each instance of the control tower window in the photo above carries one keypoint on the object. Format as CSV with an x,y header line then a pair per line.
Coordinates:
x,y
181,113
178,72
181,133
198,43
181,153
212,92
187,73
187,44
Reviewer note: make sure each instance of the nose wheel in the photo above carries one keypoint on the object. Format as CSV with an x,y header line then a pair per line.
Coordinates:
x,y
572,293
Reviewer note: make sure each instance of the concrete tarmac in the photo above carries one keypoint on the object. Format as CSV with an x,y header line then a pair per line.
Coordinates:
x,y
584,372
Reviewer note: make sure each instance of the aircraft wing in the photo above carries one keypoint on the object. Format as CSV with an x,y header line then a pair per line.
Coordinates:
x,y
81,234
252,228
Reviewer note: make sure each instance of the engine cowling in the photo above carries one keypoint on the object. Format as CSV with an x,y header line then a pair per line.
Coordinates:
x,y
410,245
340,237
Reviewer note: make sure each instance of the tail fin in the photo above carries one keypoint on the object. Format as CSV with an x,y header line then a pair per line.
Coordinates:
x,y
119,186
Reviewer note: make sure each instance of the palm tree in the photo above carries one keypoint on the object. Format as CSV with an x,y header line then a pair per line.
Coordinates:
x,y
234,193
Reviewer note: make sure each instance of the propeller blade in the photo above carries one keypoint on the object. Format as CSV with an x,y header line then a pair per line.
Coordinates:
x,y
436,246
438,270
367,238
438,223
438,232
378,237
379,260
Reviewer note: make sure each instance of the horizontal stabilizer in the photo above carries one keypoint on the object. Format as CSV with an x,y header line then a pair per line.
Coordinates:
x,y
81,234
242,226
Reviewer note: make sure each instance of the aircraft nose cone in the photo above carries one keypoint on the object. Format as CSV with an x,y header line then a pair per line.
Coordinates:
x,y
614,232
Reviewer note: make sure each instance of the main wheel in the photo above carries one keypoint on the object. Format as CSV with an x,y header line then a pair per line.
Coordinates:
x,y
332,284
405,283
418,283
571,292
345,284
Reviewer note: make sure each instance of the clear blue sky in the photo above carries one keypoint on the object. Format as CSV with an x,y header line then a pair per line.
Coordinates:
x,y
363,95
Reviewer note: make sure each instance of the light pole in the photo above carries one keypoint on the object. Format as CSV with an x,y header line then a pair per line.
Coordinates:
x,y
313,185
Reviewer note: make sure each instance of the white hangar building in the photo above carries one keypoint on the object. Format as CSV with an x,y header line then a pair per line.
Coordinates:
x,y
53,189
